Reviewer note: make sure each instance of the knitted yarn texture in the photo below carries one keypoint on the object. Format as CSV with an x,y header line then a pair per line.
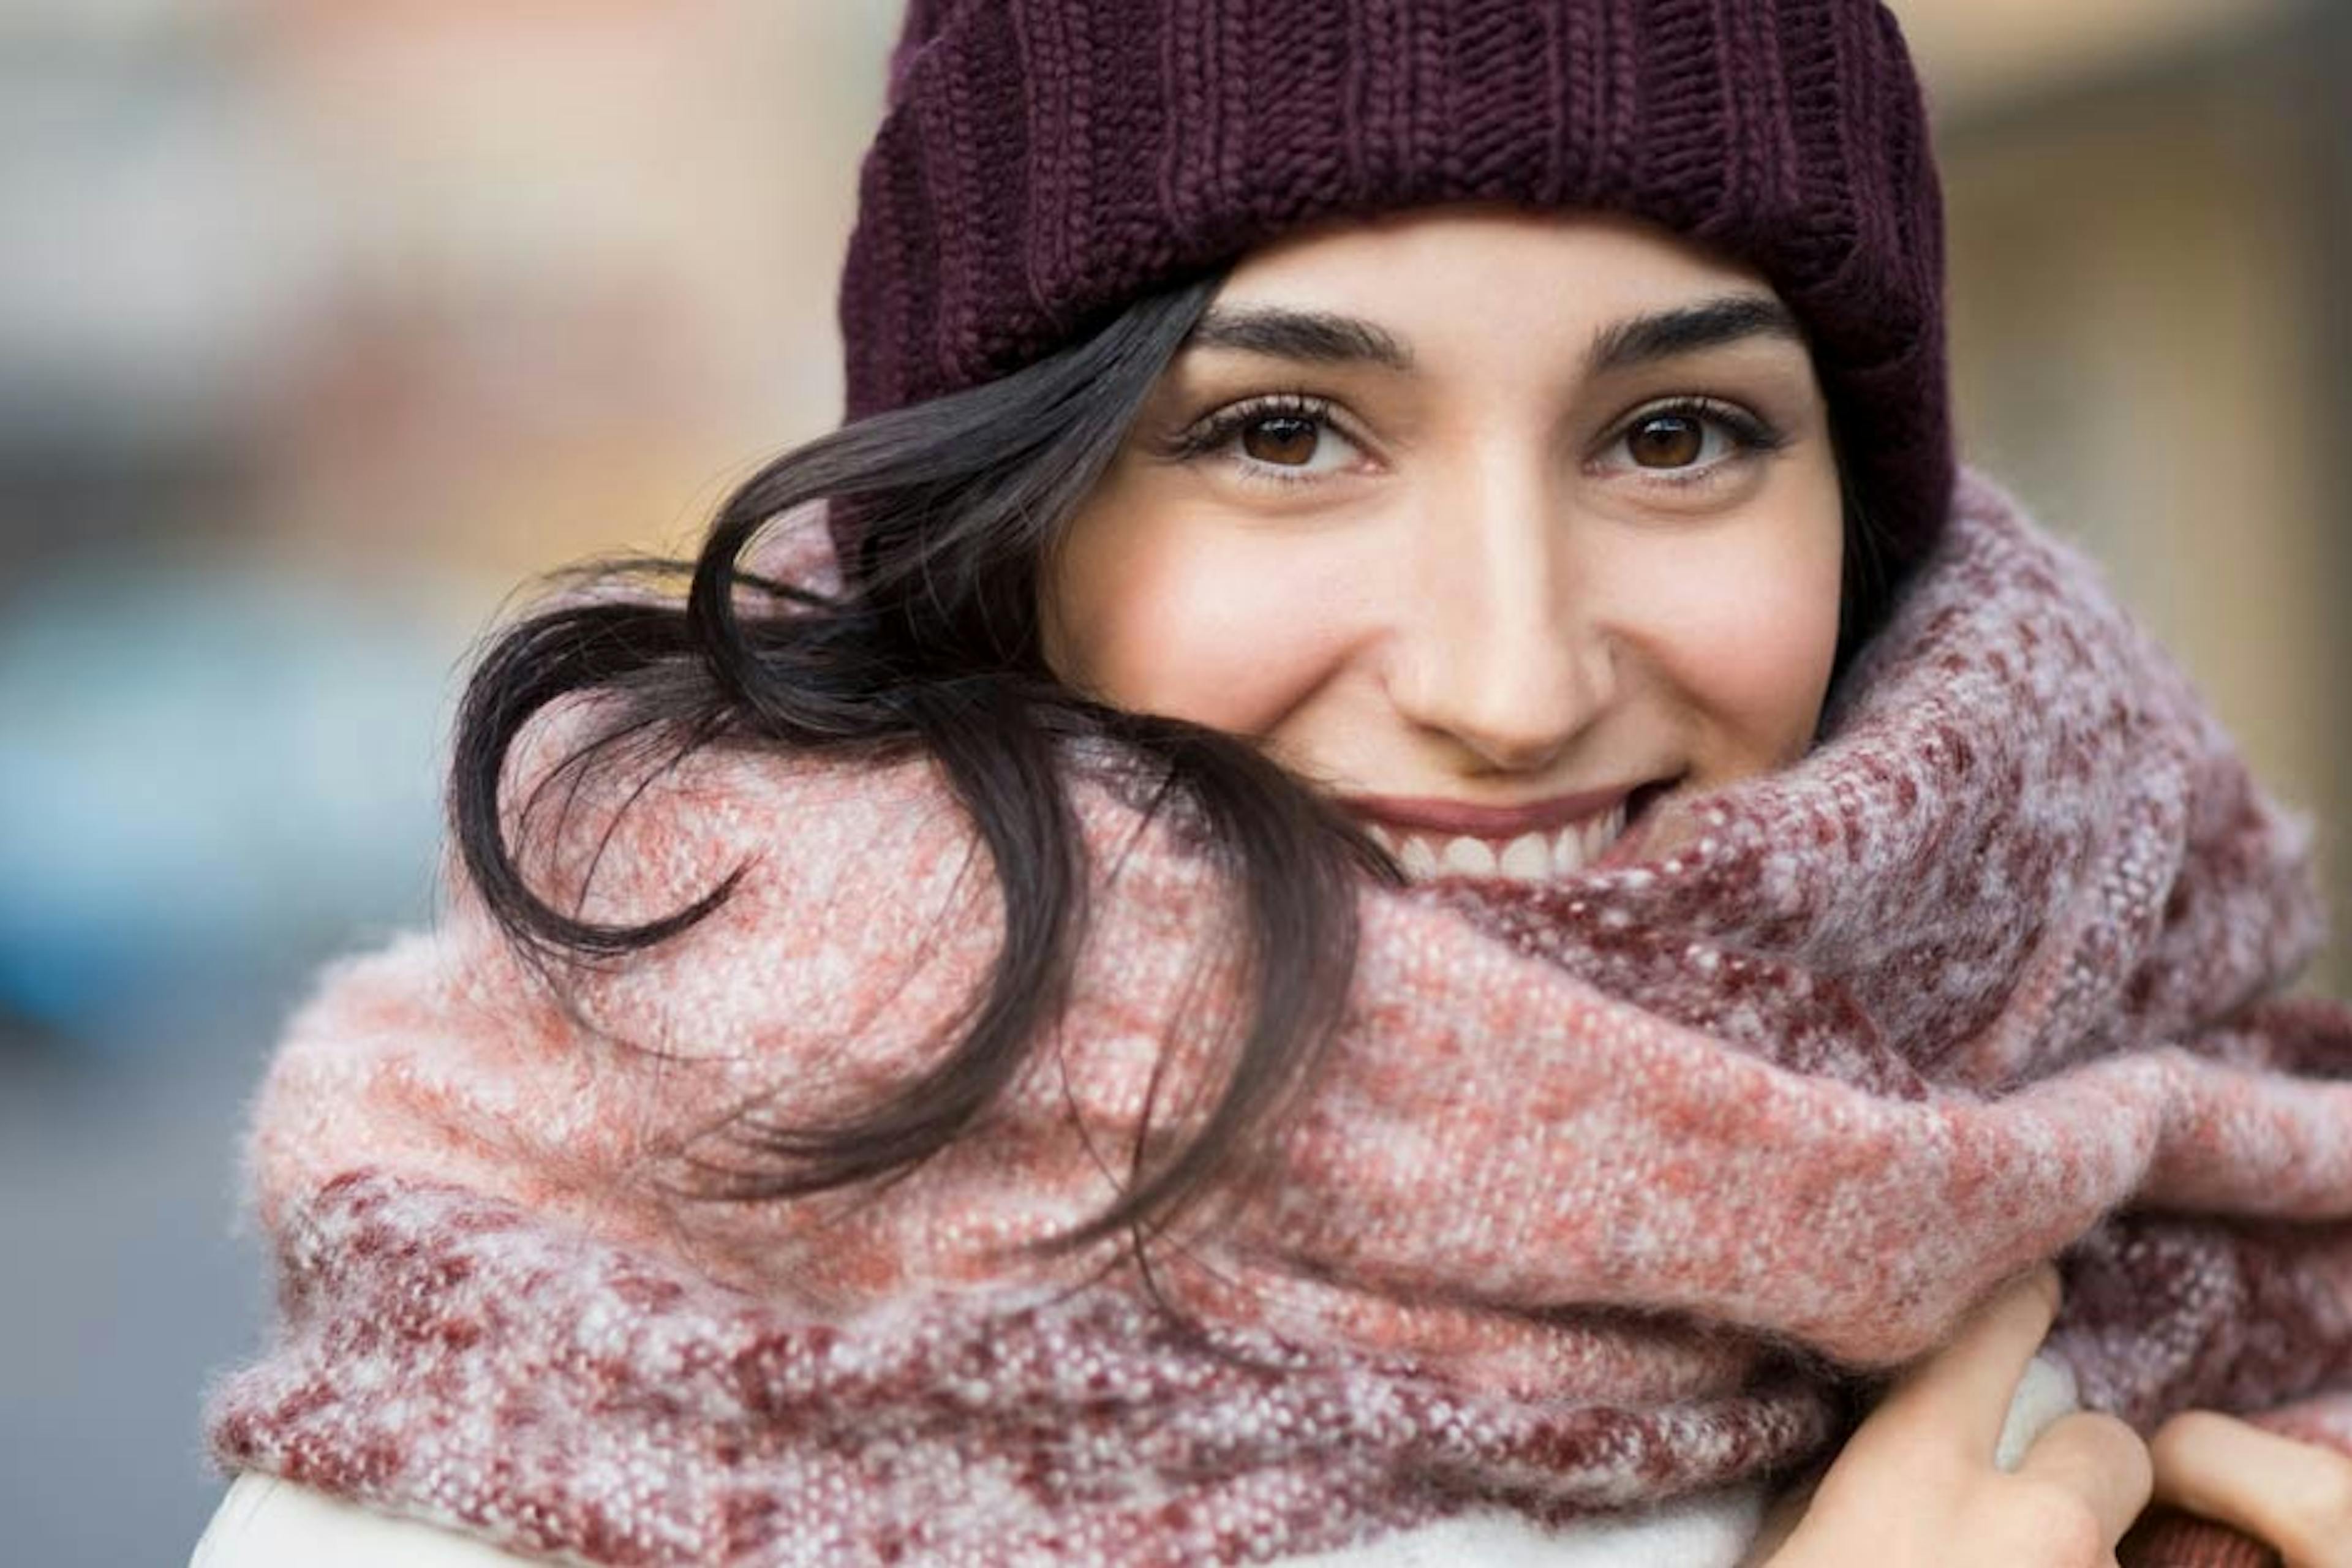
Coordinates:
x,y
1041,163
1614,1189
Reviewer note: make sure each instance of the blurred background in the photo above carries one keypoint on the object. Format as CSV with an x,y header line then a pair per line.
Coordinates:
x,y
324,323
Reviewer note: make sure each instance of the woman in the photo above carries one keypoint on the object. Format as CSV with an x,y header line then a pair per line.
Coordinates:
x,y
1405,881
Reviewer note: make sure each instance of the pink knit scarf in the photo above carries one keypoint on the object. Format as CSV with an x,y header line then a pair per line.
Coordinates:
x,y
1614,1189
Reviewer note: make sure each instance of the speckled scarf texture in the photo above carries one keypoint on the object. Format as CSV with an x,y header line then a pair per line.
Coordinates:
x,y
1612,1190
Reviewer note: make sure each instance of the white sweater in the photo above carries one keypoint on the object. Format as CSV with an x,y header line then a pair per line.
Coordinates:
x,y
264,1522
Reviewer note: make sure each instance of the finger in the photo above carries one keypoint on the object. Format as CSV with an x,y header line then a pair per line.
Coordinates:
x,y
2099,1460
1957,1398
2296,1496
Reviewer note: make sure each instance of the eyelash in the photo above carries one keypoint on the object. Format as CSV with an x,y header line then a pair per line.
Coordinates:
x,y
1750,435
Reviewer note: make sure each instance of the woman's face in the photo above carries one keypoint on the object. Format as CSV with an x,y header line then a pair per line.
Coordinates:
x,y
1497,525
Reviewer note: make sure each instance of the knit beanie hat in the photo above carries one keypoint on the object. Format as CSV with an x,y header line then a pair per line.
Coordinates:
x,y
1043,162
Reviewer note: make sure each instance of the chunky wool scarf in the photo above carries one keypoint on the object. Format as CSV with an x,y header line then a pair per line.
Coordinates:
x,y
1612,1190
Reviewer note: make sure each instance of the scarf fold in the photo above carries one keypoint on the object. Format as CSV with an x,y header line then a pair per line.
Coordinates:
x,y
1612,1190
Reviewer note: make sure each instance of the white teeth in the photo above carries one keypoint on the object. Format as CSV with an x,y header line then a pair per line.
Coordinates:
x,y
1469,857
1529,858
1526,858
1568,852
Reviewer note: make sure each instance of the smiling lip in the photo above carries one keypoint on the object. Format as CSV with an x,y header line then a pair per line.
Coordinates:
x,y
1462,819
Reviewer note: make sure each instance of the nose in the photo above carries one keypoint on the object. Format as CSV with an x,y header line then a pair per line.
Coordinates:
x,y
1502,647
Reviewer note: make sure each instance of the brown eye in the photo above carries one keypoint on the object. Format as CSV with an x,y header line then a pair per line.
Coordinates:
x,y
1693,441
1667,441
1288,441
1280,439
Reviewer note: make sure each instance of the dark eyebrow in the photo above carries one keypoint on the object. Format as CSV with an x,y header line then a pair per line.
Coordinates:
x,y
1319,337
1316,336
1711,324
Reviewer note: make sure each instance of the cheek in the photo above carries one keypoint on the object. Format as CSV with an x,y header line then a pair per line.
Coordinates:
x,y
1744,628
1186,619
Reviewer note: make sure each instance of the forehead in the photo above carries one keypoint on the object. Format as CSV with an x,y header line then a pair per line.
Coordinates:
x,y
1393,253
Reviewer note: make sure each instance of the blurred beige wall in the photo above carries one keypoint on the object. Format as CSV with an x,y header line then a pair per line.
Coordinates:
x,y
1982,55
584,254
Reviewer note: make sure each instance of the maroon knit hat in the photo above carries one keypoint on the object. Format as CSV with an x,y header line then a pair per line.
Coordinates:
x,y
1043,162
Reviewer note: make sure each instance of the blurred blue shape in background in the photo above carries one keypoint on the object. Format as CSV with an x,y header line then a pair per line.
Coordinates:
x,y
211,776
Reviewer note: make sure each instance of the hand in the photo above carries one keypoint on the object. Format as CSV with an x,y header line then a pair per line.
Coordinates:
x,y
1917,1486
2296,1497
